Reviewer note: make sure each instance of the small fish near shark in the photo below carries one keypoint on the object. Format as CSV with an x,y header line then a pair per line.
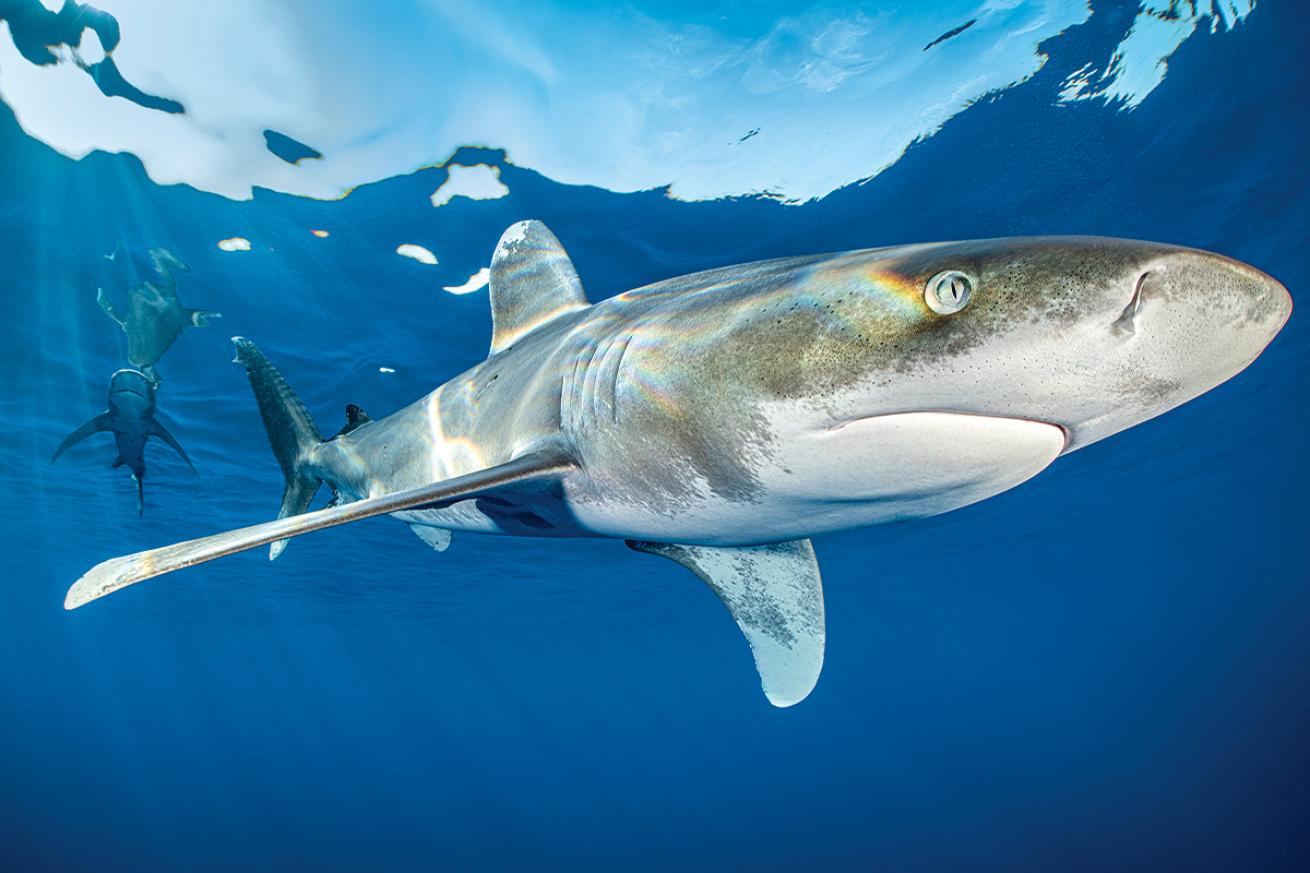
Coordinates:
x,y
130,417
722,419
155,318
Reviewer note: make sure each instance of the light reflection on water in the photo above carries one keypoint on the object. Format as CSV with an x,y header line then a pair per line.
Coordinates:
x,y
1104,664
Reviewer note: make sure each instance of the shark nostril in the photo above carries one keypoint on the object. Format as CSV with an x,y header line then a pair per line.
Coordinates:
x,y
1127,320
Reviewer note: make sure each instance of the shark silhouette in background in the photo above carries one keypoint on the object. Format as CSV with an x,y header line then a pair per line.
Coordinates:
x,y
130,417
722,419
155,318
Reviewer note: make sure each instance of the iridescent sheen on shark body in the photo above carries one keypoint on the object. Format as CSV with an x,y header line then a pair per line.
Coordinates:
x,y
724,418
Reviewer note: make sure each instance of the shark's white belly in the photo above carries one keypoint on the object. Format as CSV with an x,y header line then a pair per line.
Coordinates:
x,y
865,472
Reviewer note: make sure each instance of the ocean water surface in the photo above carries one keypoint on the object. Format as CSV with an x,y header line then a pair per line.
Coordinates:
x,y
1107,668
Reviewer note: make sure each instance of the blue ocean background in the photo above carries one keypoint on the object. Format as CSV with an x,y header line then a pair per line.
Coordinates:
x,y
1107,668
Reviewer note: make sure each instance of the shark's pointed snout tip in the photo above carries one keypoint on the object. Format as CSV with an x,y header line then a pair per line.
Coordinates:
x,y
1273,301
1264,303
1283,302
1268,290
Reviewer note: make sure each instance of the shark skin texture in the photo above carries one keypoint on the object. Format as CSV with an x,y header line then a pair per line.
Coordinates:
x,y
722,419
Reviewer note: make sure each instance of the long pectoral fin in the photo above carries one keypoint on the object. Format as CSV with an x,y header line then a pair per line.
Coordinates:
x,y
103,299
776,597
157,429
96,425
108,577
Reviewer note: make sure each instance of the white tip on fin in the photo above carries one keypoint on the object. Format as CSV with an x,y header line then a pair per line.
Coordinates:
x,y
547,463
436,537
533,282
776,597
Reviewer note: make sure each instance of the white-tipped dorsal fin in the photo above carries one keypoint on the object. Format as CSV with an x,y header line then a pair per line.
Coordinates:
x,y
776,597
533,282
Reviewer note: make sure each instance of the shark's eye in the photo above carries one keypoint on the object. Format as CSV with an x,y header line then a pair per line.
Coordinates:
x,y
948,292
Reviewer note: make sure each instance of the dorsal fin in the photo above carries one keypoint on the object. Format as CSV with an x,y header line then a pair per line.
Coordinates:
x,y
533,282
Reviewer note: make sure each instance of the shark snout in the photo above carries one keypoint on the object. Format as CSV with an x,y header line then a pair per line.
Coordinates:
x,y
1275,298
1220,308
1190,321
1176,324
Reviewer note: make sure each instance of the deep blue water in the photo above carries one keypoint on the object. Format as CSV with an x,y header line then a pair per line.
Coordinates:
x,y
1107,668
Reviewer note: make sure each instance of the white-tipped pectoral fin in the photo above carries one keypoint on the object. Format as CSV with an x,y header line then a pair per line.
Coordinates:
x,y
111,575
776,597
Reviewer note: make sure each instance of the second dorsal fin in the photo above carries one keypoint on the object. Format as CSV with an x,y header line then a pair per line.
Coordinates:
x,y
355,417
533,282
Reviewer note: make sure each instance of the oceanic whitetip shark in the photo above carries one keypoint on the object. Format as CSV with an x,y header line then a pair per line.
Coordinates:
x,y
722,419
155,317
130,417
